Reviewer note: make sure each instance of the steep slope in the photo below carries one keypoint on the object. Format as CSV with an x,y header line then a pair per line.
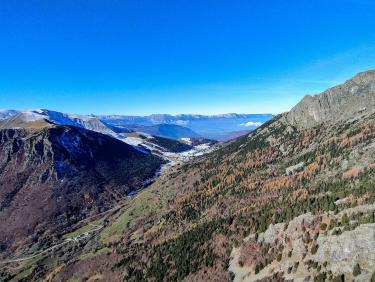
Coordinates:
x,y
5,114
20,120
88,122
143,141
283,202
53,176
338,103
269,177
273,175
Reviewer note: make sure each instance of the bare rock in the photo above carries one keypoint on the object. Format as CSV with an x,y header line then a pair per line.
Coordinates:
x,y
338,103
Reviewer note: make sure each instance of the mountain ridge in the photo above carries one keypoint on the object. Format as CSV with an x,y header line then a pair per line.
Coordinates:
x,y
180,126
340,102
68,173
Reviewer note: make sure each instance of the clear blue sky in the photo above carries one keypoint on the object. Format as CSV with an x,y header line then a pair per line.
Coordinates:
x,y
179,56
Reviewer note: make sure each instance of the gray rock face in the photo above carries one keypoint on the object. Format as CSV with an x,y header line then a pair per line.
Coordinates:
x,y
341,102
345,251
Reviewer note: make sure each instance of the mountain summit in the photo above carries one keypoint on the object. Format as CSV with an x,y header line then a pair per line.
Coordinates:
x,y
338,103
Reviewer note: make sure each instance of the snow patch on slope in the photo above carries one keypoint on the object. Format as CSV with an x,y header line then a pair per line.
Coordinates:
x,y
32,116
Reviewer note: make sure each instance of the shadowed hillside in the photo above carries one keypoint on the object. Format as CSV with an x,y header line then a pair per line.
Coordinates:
x,y
52,176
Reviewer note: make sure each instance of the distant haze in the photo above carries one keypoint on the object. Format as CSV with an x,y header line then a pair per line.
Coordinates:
x,y
214,127
217,127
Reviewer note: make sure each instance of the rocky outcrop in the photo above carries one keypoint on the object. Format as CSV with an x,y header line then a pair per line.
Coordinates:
x,y
341,102
335,254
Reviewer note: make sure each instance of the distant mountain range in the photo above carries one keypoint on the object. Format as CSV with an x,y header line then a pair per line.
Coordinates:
x,y
165,130
183,119
216,127
4,114
162,139
13,118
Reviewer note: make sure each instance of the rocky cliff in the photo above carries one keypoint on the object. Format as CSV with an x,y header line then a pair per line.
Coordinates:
x,y
349,99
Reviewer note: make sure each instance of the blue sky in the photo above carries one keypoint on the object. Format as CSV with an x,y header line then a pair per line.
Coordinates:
x,y
179,56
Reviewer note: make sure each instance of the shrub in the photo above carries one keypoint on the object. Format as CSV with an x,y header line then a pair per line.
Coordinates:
x,y
279,257
356,270
321,277
296,264
373,277
340,278
314,249
257,269
345,219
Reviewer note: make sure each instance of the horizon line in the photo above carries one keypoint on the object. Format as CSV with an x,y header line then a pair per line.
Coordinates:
x,y
140,115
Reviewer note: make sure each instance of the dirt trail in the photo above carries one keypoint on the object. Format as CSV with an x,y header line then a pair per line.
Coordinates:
x,y
77,238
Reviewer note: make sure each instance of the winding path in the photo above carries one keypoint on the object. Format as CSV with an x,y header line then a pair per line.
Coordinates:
x,y
77,238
